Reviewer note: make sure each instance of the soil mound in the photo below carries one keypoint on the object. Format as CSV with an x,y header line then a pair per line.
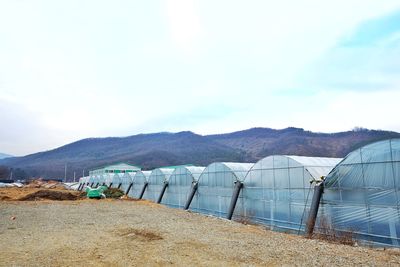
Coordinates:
x,y
49,194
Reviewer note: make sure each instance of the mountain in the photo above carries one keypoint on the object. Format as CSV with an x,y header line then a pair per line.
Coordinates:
x,y
261,142
3,156
162,149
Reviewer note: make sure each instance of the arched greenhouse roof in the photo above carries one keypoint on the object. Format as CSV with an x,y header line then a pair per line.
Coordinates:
x,y
143,176
193,171
316,166
372,166
165,173
239,170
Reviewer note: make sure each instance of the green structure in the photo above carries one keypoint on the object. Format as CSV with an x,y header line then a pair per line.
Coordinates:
x,y
96,192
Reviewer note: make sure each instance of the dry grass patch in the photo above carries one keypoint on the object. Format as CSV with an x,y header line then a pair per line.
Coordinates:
x,y
139,234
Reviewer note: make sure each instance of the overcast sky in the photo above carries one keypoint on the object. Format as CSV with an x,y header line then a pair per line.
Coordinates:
x,y
76,69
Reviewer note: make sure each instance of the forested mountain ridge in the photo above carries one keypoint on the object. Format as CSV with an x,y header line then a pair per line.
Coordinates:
x,y
163,149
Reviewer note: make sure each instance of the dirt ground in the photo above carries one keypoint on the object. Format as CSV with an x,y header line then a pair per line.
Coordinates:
x,y
141,233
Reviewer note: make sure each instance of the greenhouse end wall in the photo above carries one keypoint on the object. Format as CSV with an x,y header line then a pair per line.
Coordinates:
x,y
277,191
156,182
361,194
138,181
179,186
215,187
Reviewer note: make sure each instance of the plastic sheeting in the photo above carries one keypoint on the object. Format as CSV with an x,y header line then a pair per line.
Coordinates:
x,y
93,180
126,180
156,181
138,180
83,181
277,190
102,178
121,178
179,185
109,177
215,187
362,195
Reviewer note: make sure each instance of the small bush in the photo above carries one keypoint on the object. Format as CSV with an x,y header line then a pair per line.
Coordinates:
x,y
326,231
113,193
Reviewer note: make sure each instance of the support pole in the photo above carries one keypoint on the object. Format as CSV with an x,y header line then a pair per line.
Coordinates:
x,y
235,196
119,185
97,185
312,217
191,195
79,187
129,189
111,185
143,189
162,192
92,184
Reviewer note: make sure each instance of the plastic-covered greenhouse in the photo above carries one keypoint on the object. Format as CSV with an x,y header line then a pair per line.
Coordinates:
x,y
156,181
138,181
361,194
119,178
126,180
179,185
109,178
277,190
215,187
103,179
116,179
93,180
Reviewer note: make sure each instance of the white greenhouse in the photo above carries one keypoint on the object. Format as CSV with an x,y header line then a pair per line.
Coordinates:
x,y
362,194
215,187
139,179
156,181
179,185
277,190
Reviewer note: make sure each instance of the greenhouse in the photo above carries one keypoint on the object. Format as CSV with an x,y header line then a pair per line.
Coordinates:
x,y
93,180
179,185
109,179
81,183
361,194
126,180
85,180
102,179
156,181
216,185
139,179
277,190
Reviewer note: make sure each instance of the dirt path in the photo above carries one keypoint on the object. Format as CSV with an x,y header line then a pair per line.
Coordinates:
x,y
138,233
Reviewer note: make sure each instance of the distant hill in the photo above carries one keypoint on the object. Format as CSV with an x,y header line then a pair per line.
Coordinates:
x,y
162,149
3,156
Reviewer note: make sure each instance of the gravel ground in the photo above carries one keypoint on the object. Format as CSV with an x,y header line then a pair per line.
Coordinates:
x,y
138,233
